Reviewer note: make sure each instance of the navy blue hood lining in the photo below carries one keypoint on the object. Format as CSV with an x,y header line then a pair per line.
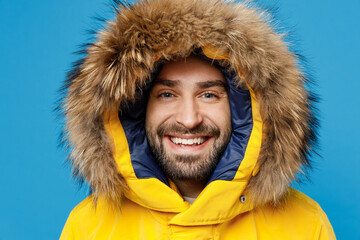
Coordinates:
x,y
132,118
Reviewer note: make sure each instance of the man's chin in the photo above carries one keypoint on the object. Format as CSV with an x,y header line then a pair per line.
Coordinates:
x,y
187,167
188,159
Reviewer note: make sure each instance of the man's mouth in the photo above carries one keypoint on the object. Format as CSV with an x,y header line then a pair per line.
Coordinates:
x,y
188,141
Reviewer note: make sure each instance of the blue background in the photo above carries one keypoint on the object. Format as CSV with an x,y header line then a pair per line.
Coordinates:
x,y
37,39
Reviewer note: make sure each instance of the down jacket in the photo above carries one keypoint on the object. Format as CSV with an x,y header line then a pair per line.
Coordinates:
x,y
248,194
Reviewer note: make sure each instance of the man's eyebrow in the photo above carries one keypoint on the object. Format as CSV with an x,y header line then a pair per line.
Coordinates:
x,y
166,82
213,83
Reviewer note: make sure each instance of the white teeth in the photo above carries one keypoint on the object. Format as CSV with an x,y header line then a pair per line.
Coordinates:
x,y
183,141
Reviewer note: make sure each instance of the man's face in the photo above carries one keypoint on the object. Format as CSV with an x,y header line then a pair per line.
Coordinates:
x,y
188,122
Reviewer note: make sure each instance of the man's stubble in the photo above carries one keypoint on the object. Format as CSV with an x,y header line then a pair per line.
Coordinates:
x,y
191,167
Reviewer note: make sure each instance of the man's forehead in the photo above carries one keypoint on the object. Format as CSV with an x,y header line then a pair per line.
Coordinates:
x,y
192,70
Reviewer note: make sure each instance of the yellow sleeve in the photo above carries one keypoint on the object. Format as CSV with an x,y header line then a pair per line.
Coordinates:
x,y
325,230
67,232
70,230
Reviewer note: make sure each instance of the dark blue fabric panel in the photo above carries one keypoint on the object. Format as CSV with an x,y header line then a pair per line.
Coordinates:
x,y
132,118
241,121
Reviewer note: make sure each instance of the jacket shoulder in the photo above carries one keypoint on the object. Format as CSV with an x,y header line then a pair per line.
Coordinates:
x,y
86,217
299,214
75,217
102,221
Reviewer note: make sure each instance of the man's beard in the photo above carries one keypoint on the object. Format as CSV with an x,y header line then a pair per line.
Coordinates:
x,y
191,167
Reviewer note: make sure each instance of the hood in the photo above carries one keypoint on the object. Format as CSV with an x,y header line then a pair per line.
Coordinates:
x,y
105,101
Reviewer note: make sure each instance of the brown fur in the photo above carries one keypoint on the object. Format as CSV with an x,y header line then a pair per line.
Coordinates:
x,y
122,59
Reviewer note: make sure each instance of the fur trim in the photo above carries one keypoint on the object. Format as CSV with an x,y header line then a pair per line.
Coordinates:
x,y
122,59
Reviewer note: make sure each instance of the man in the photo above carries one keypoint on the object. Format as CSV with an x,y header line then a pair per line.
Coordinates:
x,y
189,119
188,122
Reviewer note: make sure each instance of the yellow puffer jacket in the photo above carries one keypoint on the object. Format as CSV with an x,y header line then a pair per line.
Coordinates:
x,y
248,194
301,219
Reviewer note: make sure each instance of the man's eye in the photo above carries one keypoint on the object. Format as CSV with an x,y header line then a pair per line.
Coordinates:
x,y
166,95
209,95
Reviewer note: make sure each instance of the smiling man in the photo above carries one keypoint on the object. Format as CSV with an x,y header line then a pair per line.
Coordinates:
x,y
189,119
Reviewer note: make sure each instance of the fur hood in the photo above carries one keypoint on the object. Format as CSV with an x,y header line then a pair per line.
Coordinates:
x,y
121,61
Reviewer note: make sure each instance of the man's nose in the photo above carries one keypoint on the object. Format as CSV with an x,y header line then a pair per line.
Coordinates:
x,y
188,114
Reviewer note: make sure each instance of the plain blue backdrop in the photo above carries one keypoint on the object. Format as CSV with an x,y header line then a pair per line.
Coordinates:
x,y
37,39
